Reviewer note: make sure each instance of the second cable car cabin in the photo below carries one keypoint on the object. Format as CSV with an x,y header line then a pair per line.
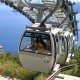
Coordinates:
x,y
41,48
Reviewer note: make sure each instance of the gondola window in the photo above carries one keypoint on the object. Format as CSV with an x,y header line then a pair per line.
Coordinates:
x,y
36,43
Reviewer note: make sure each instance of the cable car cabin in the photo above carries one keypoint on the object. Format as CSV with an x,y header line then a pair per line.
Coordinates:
x,y
64,44
37,50
63,50
41,48
61,46
70,42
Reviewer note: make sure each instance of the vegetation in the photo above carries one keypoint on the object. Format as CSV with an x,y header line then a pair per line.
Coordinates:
x,y
76,70
10,66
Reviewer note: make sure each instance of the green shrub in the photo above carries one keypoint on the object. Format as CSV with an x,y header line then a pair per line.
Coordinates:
x,y
10,66
76,70
42,76
77,60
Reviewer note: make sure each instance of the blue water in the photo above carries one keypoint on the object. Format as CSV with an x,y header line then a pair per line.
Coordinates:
x,y
12,25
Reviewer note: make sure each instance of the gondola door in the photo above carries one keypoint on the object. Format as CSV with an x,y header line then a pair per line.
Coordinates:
x,y
63,50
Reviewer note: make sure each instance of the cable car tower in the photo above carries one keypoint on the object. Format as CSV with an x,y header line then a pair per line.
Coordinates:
x,y
52,38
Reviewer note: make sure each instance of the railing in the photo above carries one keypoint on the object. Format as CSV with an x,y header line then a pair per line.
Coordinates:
x,y
53,76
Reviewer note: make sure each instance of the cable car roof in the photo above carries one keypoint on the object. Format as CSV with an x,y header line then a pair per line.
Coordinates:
x,y
45,30
39,29
66,33
55,30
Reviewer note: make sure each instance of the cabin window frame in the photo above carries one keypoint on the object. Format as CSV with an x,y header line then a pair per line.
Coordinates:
x,y
33,40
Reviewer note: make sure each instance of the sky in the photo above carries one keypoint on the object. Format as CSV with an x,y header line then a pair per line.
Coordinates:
x,y
75,0
40,0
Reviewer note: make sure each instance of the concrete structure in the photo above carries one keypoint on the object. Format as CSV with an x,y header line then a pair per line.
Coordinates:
x,y
66,77
1,49
7,78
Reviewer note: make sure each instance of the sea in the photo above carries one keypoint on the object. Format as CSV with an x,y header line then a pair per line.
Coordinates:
x,y
12,25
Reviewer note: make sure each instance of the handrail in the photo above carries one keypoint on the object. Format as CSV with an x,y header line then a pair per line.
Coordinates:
x,y
52,77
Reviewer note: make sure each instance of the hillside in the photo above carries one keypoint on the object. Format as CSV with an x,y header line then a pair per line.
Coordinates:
x,y
10,66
